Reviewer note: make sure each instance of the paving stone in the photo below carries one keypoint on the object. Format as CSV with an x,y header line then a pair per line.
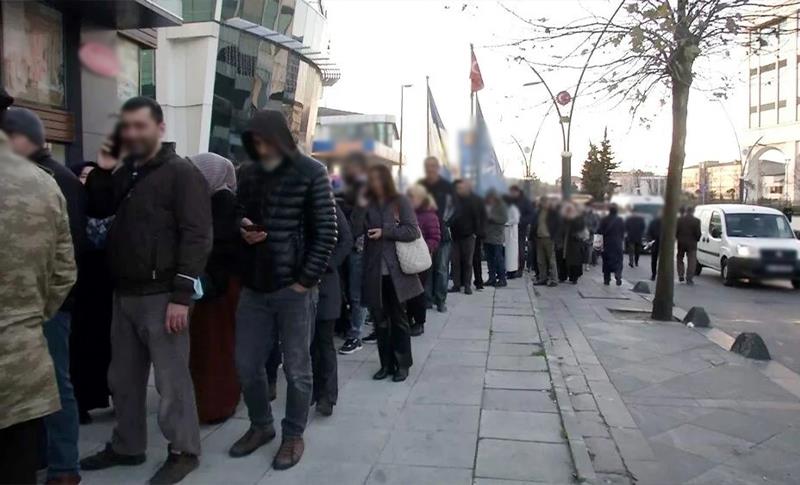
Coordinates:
x,y
499,379
384,474
430,448
450,358
439,417
519,460
632,445
522,426
591,424
576,384
455,332
458,345
308,471
748,428
682,466
727,475
459,392
702,442
515,349
518,363
502,323
612,479
528,337
583,402
518,400
605,456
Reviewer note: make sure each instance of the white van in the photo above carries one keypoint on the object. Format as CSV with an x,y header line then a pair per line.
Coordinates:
x,y
747,241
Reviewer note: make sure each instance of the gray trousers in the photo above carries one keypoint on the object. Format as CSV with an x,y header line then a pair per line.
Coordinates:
x,y
257,317
139,338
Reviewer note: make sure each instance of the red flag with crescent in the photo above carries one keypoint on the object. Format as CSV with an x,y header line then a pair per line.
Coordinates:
x,y
475,75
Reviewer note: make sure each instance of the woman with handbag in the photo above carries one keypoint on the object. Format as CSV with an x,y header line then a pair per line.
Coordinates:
x,y
425,209
213,319
388,220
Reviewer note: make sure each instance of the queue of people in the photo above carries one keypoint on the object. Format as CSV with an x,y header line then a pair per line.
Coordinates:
x,y
214,275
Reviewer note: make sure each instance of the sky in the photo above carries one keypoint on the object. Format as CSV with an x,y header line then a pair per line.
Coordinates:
x,y
382,44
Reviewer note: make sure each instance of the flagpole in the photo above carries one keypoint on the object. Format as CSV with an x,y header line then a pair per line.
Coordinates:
x,y
471,92
428,114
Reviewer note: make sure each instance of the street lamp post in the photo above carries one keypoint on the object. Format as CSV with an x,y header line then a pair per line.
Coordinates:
x,y
562,99
402,105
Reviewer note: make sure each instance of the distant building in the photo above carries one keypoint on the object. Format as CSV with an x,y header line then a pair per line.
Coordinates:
x,y
338,133
639,182
712,180
774,104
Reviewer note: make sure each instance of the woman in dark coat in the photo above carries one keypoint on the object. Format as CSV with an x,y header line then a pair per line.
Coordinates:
x,y
213,318
575,237
90,340
612,228
329,308
387,217
428,221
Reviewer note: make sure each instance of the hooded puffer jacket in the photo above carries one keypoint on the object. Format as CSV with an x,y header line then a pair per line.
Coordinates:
x,y
295,204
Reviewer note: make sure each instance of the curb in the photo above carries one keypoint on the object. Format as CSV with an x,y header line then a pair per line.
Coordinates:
x,y
584,470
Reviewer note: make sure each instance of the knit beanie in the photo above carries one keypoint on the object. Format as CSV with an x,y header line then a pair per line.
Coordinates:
x,y
24,122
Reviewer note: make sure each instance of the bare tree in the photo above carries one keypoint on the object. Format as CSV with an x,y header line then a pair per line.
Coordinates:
x,y
652,49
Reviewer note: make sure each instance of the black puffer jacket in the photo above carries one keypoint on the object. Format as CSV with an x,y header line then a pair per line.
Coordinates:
x,y
295,203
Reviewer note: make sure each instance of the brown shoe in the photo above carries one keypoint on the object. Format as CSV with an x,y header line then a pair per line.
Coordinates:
x,y
289,453
252,440
175,469
72,479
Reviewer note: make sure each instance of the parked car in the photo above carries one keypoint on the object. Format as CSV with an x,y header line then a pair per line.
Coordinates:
x,y
747,241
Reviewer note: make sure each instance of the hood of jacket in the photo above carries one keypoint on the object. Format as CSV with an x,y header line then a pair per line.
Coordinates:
x,y
271,126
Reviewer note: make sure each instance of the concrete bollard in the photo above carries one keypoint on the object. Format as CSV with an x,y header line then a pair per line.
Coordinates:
x,y
698,317
751,345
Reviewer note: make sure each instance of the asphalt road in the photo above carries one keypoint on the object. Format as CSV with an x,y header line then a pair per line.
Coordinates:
x,y
772,309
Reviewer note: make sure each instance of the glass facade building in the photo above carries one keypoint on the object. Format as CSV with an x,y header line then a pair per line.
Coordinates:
x,y
270,54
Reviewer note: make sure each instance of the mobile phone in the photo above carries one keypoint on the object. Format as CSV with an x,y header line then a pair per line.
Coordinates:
x,y
255,228
116,141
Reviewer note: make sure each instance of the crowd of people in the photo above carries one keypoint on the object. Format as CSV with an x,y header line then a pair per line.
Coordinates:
x,y
215,275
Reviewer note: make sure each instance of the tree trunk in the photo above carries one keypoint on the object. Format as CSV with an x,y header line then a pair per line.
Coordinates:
x,y
665,283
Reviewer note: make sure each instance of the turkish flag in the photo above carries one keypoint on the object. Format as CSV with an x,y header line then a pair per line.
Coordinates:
x,y
475,75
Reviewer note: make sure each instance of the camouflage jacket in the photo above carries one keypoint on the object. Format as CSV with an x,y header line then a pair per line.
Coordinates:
x,y
37,270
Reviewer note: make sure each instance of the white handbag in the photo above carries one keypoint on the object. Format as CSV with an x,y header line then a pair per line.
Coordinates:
x,y
413,256
597,243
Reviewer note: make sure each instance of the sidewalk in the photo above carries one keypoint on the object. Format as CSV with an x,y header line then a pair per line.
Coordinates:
x,y
660,403
477,409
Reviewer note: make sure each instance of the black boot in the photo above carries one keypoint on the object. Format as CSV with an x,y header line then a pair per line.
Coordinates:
x,y
400,375
382,374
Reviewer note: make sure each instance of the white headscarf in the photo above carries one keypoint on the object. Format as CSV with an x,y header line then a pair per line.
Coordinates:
x,y
218,171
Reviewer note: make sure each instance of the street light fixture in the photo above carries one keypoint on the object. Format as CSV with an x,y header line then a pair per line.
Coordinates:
x,y
402,104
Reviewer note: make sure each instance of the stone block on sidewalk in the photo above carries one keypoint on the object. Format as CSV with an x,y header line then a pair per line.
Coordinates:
x,y
521,426
515,349
498,379
521,460
429,448
385,474
605,456
519,363
518,400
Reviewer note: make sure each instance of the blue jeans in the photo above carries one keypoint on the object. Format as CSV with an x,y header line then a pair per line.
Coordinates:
x,y
436,286
257,317
62,426
496,261
358,313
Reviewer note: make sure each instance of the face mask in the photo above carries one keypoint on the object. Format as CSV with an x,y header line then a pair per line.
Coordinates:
x,y
270,164
197,286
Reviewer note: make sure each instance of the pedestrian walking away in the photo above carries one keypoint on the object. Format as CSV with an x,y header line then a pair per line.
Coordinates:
x,y
444,195
480,237
156,259
464,229
526,217
612,228
26,135
288,223
425,210
654,239
212,333
687,234
497,217
388,218
32,208
511,237
634,232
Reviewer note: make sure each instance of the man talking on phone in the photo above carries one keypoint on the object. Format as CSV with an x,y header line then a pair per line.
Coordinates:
x,y
157,246
288,224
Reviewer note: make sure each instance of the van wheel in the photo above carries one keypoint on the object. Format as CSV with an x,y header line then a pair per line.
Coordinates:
x,y
796,284
698,269
727,279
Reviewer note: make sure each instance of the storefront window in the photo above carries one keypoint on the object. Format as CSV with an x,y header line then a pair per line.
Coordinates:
x,y
147,72
128,78
33,53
